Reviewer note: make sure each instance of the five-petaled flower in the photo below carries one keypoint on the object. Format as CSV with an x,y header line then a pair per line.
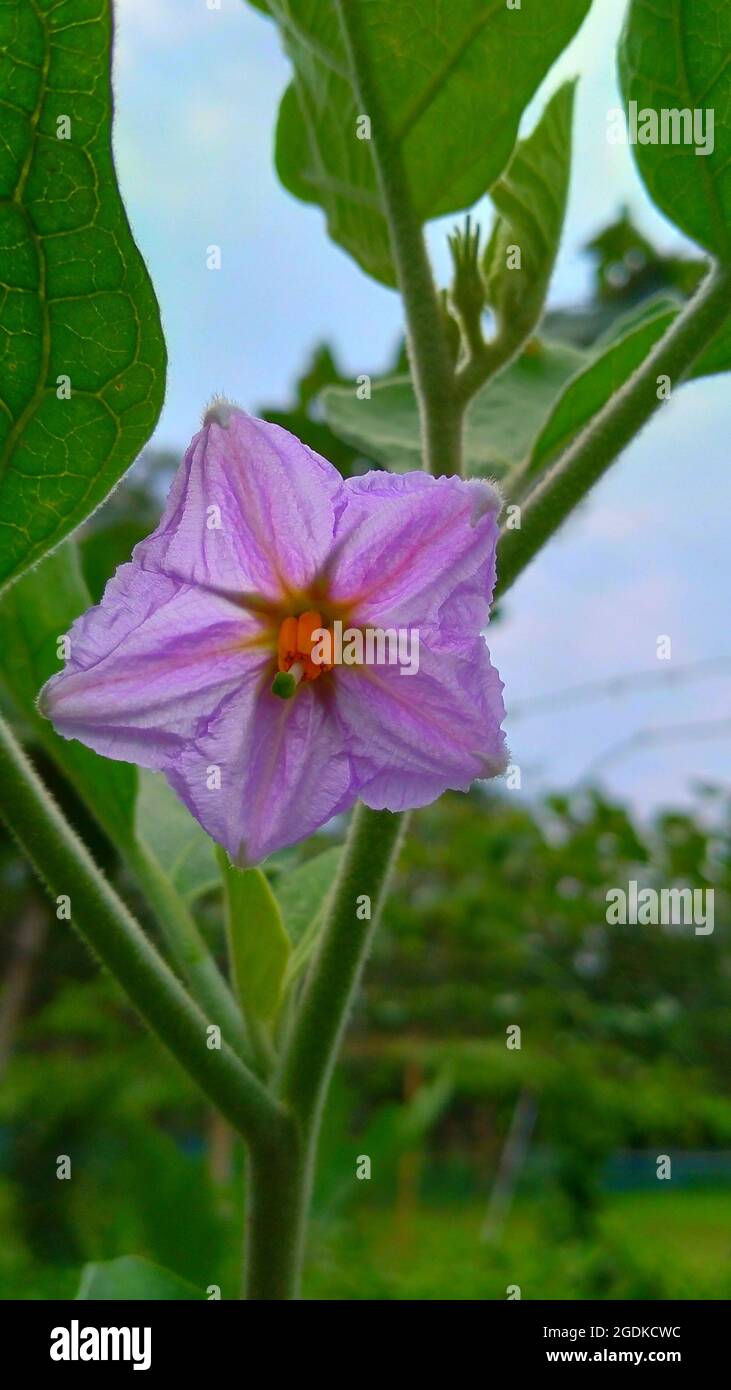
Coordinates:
x,y
262,540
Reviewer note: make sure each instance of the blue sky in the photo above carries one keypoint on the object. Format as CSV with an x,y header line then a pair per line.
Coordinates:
x,y
197,92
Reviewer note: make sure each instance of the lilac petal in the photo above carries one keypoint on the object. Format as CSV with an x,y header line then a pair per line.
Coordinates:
x,y
406,545
413,737
251,509
148,667
266,772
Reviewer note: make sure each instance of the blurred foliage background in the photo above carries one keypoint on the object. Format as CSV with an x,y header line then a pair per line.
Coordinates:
x,y
491,1165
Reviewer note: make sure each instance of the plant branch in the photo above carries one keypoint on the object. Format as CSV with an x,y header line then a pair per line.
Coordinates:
x,y
517,316
515,326
188,949
431,362
277,1197
310,1051
486,359
279,1192
587,458
64,864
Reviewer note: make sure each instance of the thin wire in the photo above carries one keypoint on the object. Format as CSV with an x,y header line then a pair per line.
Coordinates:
x,y
669,733
619,685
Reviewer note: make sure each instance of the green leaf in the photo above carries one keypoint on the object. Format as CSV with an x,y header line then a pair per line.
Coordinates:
x,y
591,388
302,892
181,847
674,57
504,417
385,426
129,1278
452,81
34,613
77,302
717,356
635,317
531,202
501,421
259,947
303,896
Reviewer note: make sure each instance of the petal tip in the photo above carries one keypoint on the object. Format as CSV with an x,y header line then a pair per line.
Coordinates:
x,y
219,411
487,497
44,702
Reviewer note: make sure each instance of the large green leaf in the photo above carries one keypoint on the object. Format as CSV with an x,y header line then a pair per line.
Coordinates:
x,y
181,847
34,614
531,202
501,422
302,892
259,947
590,390
77,312
451,82
717,356
674,57
637,315
617,357
130,1277
504,417
303,896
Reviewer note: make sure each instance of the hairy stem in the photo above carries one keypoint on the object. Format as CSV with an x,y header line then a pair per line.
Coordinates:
x,y
588,457
64,864
276,1211
431,365
484,362
354,910
279,1195
486,359
189,950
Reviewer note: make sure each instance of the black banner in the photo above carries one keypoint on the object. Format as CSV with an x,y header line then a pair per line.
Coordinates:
x,y
157,1338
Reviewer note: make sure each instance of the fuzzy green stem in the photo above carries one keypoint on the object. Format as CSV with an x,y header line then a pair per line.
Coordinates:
x,y
279,1194
484,362
188,949
588,457
64,864
276,1211
355,907
431,363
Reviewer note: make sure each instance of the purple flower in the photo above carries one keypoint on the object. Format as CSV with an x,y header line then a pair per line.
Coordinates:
x,y
175,668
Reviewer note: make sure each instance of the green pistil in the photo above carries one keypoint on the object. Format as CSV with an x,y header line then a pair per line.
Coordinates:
x,y
284,685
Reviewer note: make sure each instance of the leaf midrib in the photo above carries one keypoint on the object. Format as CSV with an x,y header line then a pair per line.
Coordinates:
x,y
706,172
425,98
17,200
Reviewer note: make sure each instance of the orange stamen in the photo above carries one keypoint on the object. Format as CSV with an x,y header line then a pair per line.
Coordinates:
x,y
287,644
306,625
296,642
